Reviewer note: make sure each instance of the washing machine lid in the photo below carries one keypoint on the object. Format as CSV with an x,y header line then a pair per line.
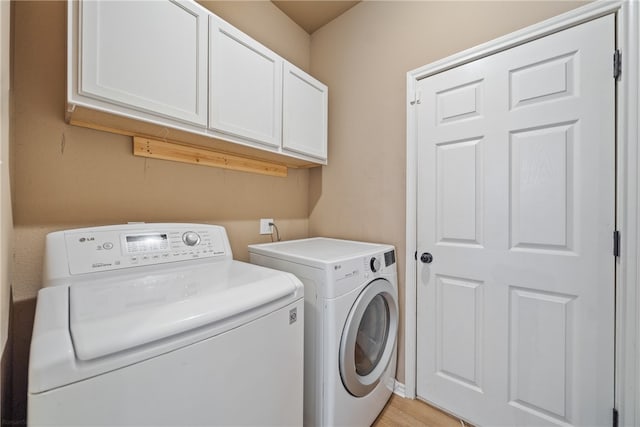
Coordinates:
x,y
318,251
111,315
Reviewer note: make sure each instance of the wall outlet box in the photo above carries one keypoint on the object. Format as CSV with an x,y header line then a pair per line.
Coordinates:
x,y
265,228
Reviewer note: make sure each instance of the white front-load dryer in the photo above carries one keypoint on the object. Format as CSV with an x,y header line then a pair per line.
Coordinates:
x,y
351,324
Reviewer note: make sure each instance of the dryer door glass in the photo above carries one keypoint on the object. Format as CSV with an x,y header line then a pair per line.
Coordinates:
x,y
369,338
372,335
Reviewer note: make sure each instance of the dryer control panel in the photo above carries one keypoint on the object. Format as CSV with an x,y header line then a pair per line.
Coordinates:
x,y
368,267
95,249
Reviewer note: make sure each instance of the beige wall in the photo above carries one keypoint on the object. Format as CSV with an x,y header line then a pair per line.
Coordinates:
x,y
363,56
5,195
5,203
65,177
267,24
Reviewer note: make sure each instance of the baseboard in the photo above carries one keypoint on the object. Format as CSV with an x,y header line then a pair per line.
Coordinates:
x,y
398,389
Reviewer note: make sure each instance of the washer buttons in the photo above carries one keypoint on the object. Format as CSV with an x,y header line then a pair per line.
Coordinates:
x,y
107,245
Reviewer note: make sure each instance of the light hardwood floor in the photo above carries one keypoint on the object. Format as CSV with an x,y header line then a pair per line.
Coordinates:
x,y
401,412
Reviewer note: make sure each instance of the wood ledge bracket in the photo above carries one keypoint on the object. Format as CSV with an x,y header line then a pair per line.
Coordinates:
x,y
156,149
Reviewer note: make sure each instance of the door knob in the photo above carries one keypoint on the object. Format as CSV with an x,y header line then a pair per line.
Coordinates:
x,y
426,257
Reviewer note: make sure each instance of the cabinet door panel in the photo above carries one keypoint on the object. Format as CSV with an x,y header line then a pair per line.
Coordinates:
x,y
148,55
245,86
304,113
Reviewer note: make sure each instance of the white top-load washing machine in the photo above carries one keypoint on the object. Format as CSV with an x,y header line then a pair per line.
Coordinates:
x,y
351,324
155,324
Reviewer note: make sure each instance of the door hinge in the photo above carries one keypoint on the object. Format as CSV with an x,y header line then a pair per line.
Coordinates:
x,y
614,420
416,98
617,64
616,243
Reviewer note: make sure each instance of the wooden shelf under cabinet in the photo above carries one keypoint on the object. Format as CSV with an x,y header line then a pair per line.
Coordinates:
x,y
177,145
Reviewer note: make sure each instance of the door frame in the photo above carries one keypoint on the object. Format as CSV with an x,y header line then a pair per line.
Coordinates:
x,y
627,357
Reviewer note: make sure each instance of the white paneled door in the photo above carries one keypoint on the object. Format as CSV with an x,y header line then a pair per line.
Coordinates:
x,y
516,206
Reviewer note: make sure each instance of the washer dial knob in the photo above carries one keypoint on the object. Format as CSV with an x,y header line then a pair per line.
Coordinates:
x,y
374,264
191,238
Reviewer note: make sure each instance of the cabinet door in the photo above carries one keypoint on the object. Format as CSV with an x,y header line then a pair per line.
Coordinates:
x,y
147,55
245,87
304,113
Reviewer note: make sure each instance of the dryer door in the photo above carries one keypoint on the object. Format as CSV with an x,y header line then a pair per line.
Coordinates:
x,y
369,337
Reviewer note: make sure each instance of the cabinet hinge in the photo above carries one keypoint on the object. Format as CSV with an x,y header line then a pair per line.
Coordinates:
x,y
416,98
614,421
616,243
617,64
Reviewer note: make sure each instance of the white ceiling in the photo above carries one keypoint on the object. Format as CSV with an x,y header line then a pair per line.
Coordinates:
x,y
313,14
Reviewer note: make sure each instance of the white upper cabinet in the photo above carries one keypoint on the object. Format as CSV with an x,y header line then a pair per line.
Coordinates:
x,y
172,68
304,114
149,55
245,86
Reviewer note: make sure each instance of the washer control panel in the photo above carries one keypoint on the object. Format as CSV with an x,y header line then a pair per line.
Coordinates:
x,y
108,248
